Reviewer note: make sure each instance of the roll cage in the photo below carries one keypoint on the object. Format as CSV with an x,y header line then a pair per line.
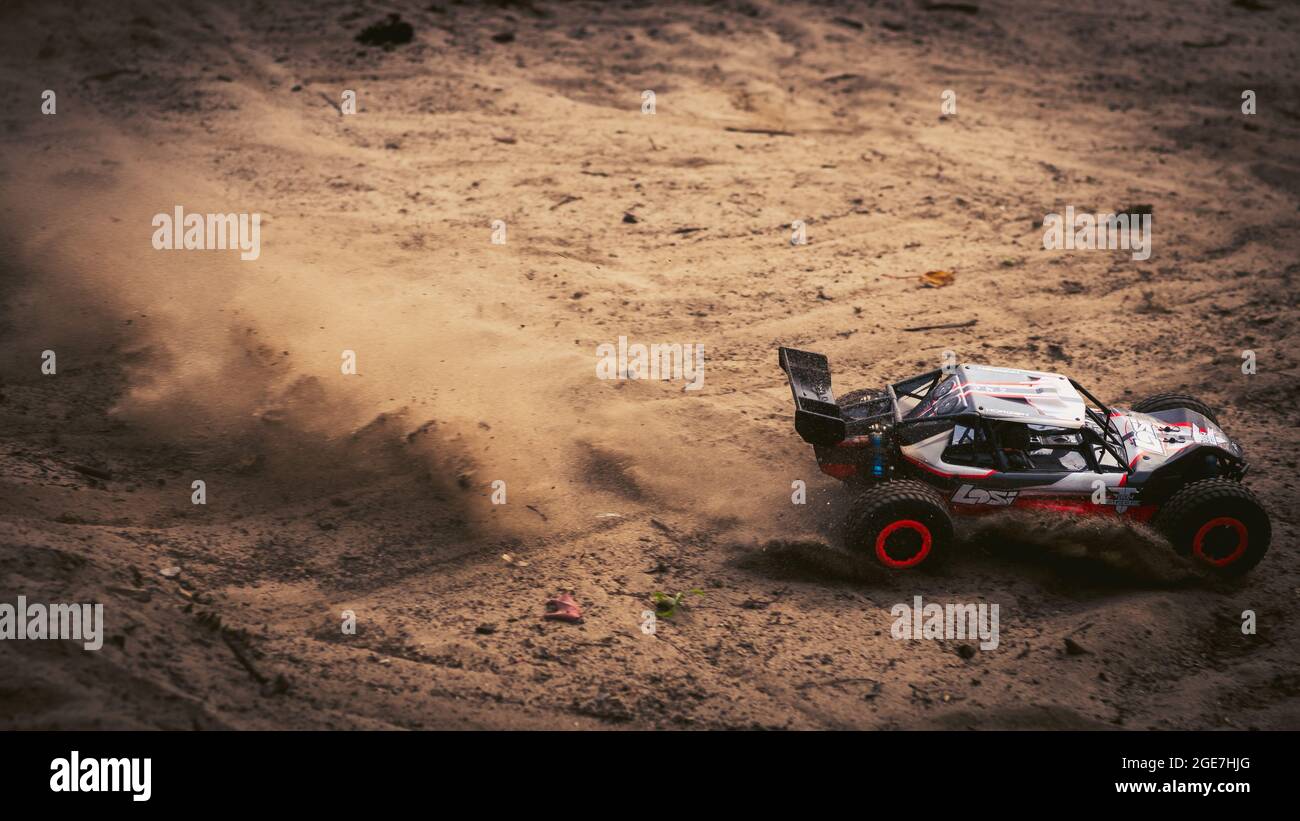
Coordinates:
x,y
920,387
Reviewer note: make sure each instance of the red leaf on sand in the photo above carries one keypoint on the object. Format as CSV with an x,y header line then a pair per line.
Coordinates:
x,y
563,608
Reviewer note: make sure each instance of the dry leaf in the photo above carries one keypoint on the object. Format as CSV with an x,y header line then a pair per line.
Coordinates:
x,y
937,279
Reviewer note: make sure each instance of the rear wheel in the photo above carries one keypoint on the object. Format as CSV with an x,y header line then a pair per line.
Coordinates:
x,y
1174,401
1218,523
901,524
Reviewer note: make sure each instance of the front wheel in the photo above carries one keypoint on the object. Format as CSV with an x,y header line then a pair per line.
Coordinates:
x,y
1219,523
902,524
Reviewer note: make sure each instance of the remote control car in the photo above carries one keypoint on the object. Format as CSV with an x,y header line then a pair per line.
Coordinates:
x,y
969,439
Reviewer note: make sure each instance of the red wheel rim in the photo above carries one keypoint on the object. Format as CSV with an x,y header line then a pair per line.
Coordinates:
x,y
1198,541
882,543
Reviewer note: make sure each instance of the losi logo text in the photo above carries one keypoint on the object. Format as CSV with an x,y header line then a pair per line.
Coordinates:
x,y
971,495
74,774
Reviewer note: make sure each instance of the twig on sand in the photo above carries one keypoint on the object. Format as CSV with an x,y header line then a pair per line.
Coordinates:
x,y
831,682
968,323
242,657
770,132
333,104
93,472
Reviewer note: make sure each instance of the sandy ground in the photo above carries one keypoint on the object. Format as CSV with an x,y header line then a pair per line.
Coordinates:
x,y
370,492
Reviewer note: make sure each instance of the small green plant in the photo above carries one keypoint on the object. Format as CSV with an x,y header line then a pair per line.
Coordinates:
x,y
666,605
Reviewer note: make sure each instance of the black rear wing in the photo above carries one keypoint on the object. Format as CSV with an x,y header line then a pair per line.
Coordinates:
x,y
816,416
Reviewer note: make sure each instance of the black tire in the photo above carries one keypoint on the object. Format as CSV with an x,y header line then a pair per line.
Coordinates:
x,y
859,396
1218,522
901,524
1173,401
